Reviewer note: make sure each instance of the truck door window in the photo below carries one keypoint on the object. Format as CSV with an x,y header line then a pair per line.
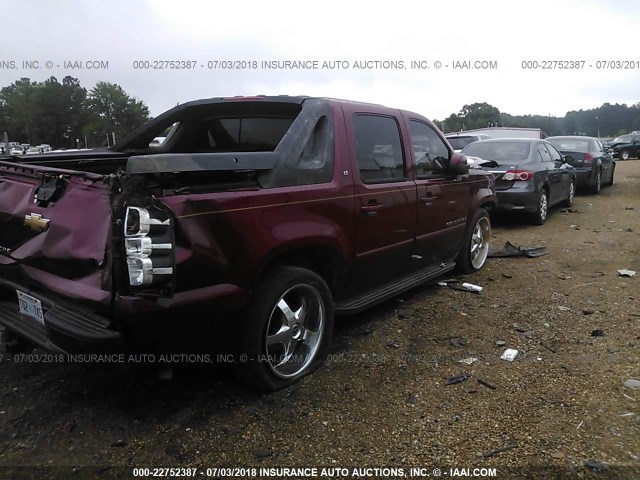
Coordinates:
x,y
427,147
378,149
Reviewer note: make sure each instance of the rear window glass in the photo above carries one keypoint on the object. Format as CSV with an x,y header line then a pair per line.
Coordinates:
x,y
570,145
458,143
504,153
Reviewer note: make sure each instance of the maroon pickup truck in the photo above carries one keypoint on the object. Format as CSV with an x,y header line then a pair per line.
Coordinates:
x,y
246,229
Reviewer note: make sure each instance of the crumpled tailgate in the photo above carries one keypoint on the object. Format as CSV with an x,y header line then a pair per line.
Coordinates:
x,y
60,244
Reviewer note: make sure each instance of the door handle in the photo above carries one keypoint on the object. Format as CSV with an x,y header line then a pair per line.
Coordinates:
x,y
371,208
428,199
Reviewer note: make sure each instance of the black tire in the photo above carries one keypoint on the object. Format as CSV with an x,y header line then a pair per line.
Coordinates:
x,y
597,184
624,155
568,202
267,367
542,211
14,343
613,171
474,251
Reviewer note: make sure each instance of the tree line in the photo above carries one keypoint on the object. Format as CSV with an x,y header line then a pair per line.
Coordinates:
x,y
58,114
604,121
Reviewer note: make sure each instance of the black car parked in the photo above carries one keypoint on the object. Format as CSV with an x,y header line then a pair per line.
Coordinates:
x,y
625,146
531,175
594,165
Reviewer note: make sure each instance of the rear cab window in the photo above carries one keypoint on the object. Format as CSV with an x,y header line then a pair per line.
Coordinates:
x,y
300,134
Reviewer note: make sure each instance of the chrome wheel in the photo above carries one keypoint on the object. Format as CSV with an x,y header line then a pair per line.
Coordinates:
x,y
480,239
624,155
572,192
543,207
294,330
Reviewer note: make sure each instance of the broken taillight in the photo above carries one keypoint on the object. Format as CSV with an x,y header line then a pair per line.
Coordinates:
x,y
148,244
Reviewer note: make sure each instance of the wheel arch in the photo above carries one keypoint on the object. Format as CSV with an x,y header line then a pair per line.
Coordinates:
x,y
320,258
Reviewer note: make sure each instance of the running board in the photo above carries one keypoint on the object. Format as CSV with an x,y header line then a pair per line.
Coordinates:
x,y
367,299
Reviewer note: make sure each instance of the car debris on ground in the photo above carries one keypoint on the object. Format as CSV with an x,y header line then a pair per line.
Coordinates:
x,y
464,287
510,250
623,272
509,355
456,379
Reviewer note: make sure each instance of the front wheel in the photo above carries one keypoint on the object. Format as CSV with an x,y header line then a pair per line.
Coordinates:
x,y
540,215
624,155
474,252
288,329
568,202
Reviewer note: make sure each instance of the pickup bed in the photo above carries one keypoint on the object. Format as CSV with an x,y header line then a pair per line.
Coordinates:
x,y
247,229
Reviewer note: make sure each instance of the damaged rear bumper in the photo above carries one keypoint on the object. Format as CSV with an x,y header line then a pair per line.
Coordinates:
x,y
64,330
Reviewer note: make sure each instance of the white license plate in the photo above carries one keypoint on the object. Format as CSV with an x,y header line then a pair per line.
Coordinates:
x,y
30,306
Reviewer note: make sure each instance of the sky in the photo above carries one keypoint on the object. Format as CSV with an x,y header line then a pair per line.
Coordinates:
x,y
125,39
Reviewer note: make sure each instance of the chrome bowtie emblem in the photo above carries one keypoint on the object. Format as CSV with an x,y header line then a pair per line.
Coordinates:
x,y
36,223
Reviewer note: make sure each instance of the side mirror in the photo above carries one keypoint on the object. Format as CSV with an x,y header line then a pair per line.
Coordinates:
x,y
568,159
458,165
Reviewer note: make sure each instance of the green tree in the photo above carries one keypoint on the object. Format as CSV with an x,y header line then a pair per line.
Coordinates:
x,y
453,123
47,112
76,113
50,105
19,107
112,111
607,120
479,115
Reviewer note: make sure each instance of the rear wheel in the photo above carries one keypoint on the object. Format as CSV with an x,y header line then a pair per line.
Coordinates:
x,y
595,188
540,215
572,192
624,155
474,252
613,171
288,329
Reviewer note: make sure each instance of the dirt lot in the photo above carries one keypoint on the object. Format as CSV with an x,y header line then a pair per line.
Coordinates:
x,y
382,399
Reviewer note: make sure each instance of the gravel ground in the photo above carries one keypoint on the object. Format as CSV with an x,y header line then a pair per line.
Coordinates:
x,y
383,399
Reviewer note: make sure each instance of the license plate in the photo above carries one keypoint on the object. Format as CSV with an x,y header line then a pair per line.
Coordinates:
x,y
30,306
